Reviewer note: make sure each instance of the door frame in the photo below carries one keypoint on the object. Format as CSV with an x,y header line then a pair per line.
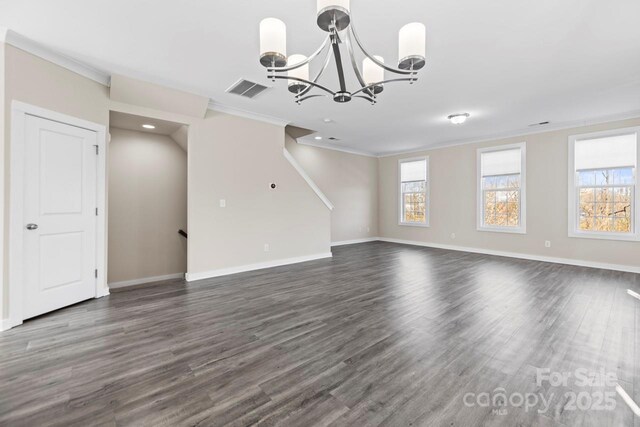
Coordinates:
x,y
19,111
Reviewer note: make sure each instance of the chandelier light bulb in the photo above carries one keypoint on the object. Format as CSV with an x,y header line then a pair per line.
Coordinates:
x,y
301,72
273,42
412,40
372,72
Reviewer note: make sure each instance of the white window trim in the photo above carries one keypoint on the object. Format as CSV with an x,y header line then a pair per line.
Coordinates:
x,y
522,229
427,193
572,188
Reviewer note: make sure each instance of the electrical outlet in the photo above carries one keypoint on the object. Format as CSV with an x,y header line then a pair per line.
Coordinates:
x,y
223,203
453,235
266,247
547,243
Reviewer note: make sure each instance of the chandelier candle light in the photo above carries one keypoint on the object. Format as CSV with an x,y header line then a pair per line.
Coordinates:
x,y
334,17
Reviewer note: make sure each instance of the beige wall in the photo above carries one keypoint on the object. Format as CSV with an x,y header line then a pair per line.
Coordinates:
x,y
236,159
147,206
229,157
453,202
350,182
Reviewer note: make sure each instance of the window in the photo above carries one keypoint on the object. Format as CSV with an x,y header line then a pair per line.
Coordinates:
x,y
414,191
501,188
603,185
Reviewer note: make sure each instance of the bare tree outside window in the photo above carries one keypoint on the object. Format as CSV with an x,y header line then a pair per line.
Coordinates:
x,y
413,191
603,188
501,188
605,200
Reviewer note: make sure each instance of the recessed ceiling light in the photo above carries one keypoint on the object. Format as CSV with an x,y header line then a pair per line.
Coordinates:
x,y
327,120
458,119
317,138
148,126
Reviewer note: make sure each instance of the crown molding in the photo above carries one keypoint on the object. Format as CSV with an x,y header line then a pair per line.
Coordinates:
x,y
48,54
634,114
334,148
227,109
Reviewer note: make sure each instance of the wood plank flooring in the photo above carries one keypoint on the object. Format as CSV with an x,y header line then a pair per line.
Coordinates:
x,y
382,334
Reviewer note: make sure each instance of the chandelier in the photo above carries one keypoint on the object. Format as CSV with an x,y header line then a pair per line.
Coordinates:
x,y
334,17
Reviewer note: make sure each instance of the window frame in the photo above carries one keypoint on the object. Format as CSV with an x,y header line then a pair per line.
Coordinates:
x,y
480,226
573,187
427,191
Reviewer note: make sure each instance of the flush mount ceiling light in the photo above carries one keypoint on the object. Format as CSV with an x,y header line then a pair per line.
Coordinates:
x,y
318,138
148,126
458,119
335,18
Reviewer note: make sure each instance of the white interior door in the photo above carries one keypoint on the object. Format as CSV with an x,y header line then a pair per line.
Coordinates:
x,y
59,215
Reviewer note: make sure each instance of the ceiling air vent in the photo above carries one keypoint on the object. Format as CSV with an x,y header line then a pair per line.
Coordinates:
x,y
247,88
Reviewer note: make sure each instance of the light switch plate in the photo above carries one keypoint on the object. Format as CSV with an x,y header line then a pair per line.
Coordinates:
x,y
223,203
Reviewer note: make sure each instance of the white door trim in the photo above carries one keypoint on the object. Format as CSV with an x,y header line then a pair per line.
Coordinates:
x,y
19,111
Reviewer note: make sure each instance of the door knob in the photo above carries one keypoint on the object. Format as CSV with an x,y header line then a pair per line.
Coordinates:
x,y
32,226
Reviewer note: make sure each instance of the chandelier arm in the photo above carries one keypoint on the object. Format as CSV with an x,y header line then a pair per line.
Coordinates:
x,y
315,80
373,101
307,97
371,57
305,82
356,70
402,79
300,64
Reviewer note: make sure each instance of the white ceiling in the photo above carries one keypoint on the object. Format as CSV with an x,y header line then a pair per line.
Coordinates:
x,y
509,63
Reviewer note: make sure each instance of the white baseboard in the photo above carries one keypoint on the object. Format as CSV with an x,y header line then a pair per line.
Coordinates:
x,y
251,267
355,241
567,261
8,324
143,280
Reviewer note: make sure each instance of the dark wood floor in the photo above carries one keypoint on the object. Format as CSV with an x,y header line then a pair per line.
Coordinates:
x,y
382,334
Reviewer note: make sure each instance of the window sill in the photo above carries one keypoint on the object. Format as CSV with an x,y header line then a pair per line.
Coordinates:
x,y
518,230
413,224
604,236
